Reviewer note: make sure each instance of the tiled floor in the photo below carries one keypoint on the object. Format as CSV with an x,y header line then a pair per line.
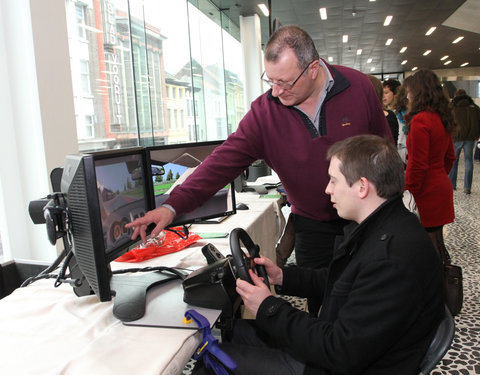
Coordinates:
x,y
462,239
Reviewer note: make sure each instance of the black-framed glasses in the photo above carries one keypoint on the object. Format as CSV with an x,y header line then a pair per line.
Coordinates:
x,y
282,85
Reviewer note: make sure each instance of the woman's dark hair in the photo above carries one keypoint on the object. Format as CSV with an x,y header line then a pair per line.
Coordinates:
x,y
426,94
392,84
400,101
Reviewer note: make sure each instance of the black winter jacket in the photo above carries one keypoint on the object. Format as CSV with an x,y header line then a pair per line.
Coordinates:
x,y
382,300
467,118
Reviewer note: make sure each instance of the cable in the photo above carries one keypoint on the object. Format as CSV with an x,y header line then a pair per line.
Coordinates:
x,y
63,269
179,234
175,271
32,279
46,271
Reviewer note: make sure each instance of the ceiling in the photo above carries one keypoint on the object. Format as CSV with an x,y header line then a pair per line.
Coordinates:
x,y
363,21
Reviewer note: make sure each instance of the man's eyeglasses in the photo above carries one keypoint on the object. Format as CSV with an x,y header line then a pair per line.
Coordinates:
x,y
282,85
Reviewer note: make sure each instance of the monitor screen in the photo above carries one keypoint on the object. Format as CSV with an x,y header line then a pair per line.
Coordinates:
x,y
121,197
172,164
104,191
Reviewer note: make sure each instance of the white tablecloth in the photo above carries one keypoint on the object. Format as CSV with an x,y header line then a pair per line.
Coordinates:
x,y
47,330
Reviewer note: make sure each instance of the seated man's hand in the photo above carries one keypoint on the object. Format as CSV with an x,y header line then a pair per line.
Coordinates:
x,y
274,272
252,295
162,216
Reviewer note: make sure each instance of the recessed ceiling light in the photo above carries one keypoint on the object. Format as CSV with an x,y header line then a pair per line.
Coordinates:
x,y
369,61
457,40
389,41
330,58
388,19
372,69
464,64
359,51
414,68
444,58
430,30
264,9
404,62
345,38
403,49
323,13
447,62
427,52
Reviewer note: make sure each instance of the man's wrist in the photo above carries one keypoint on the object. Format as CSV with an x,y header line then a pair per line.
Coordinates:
x,y
280,278
170,208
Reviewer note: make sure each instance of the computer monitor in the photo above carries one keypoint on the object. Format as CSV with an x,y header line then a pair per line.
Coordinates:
x,y
104,191
171,165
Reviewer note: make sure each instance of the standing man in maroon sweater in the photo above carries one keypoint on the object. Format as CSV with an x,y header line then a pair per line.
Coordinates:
x,y
310,106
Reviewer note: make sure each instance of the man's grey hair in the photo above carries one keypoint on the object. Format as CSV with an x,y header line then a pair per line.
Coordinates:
x,y
295,38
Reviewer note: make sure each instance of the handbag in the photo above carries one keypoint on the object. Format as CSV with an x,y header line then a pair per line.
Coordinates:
x,y
453,288
453,280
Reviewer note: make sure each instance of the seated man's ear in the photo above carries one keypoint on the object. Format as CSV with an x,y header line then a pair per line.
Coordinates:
x,y
364,187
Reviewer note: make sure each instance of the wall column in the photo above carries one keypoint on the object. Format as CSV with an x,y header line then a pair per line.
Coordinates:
x,y
251,39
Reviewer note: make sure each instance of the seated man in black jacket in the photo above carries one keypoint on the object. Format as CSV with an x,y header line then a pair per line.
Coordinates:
x,y
382,293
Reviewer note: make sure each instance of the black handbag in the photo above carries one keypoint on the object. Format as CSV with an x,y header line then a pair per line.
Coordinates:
x,y
453,288
453,280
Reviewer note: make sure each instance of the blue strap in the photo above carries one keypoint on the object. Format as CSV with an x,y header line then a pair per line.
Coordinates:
x,y
209,347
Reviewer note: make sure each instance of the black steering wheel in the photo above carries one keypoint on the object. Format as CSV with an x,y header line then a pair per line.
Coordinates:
x,y
241,262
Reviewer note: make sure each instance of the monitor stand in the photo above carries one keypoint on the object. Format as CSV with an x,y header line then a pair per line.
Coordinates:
x,y
131,291
166,308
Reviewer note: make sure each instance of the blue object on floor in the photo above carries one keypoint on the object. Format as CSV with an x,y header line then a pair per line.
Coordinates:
x,y
213,357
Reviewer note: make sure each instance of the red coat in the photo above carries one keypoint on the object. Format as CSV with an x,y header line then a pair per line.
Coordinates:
x,y
430,158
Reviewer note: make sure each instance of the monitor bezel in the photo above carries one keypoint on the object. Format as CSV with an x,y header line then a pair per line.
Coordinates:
x,y
116,251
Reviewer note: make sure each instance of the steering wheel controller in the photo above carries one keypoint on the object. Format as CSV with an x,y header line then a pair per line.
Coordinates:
x,y
241,262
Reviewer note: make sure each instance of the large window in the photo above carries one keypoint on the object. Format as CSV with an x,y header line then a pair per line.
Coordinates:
x,y
150,72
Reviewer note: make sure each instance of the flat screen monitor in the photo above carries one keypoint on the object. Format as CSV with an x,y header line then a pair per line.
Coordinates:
x,y
104,191
171,165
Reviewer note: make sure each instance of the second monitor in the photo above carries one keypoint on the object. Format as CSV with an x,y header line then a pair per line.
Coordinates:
x,y
172,164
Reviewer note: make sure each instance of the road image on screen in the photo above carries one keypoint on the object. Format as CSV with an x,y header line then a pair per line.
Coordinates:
x,y
121,195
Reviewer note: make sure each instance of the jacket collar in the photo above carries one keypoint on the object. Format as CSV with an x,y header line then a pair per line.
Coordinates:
x,y
353,232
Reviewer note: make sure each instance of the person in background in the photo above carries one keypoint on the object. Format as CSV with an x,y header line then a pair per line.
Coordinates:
x,y
382,294
430,153
390,87
400,109
467,119
310,106
390,115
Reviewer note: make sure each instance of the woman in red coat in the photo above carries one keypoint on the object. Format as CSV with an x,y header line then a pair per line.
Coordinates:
x,y
430,153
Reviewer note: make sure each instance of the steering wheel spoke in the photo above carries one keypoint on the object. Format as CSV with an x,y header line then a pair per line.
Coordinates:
x,y
241,262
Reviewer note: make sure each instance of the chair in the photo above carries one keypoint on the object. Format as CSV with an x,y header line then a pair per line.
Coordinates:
x,y
440,343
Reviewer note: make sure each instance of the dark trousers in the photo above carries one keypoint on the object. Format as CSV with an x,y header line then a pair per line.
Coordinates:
x,y
256,354
314,242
